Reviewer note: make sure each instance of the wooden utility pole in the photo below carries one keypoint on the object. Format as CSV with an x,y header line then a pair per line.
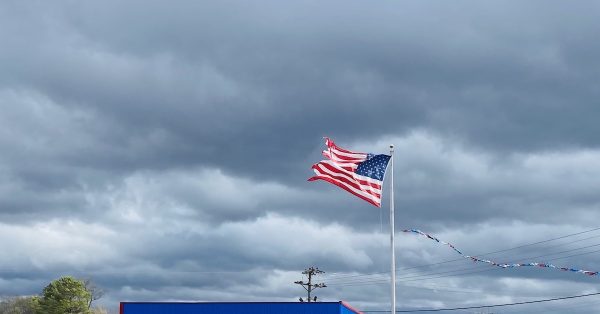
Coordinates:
x,y
309,286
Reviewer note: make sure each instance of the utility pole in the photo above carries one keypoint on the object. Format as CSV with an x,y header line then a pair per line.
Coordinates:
x,y
309,286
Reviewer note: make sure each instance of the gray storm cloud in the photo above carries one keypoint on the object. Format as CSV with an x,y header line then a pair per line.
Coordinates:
x,y
163,149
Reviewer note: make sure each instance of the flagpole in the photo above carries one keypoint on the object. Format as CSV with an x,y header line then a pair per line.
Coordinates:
x,y
392,229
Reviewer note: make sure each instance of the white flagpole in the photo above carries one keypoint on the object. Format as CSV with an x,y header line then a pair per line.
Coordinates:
x,y
392,230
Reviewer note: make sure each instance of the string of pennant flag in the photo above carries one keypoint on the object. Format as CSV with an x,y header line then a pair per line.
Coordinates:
x,y
501,265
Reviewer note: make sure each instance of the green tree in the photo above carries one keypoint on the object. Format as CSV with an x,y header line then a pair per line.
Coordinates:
x,y
65,295
19,305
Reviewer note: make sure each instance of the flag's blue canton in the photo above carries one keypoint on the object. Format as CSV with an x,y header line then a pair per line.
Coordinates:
x,y
374,167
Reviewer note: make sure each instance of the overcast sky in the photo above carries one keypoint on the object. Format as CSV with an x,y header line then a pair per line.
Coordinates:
x,y
162,148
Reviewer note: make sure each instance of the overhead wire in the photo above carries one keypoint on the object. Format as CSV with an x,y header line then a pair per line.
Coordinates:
x,y
340,281
486,306
467,271
335,274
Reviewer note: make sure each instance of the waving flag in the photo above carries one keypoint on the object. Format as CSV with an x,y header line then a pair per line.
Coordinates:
x,y
358,173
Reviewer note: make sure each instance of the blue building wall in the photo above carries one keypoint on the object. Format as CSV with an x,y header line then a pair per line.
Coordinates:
x,y
236,307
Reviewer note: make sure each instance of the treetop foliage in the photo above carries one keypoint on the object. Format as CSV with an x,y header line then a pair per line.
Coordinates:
x,y
66,295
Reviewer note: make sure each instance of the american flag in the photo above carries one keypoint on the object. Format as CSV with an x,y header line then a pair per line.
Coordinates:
x,y
358,173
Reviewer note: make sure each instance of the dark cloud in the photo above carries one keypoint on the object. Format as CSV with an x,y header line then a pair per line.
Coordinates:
x,y
163,150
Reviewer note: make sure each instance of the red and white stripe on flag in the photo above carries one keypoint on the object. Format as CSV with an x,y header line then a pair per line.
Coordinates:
x,y
340,169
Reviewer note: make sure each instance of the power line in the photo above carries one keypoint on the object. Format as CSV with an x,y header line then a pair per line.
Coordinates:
x,y
448,273
374,277
486,306
340,276
429,277
495,268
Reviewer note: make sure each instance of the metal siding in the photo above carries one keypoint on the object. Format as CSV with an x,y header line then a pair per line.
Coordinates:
x,y
246,308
